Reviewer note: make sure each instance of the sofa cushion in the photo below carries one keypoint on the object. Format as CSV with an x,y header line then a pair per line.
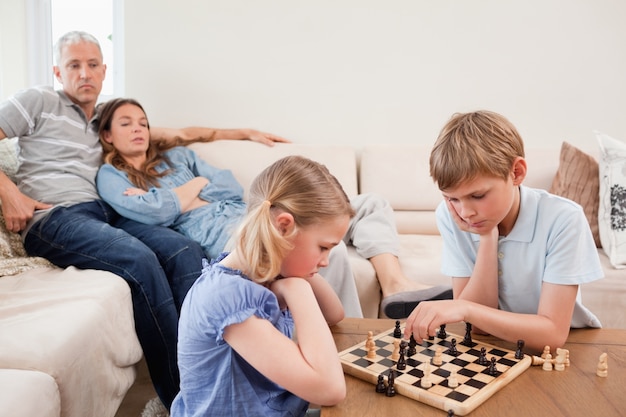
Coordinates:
x,y
400,174
247,159
612,210
76,326
28,393
578,179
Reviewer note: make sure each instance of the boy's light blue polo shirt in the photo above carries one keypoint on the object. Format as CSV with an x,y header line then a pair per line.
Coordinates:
x,y
550,242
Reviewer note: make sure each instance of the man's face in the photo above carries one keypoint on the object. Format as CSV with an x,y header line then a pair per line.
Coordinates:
x,y
81,73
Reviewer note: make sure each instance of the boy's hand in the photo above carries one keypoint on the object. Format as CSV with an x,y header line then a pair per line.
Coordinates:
x,y
428,316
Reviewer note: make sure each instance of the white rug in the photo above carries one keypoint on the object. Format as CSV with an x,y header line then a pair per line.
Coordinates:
x,y
154,408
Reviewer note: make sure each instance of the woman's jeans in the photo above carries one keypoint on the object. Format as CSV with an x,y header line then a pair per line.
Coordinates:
x,y
159,265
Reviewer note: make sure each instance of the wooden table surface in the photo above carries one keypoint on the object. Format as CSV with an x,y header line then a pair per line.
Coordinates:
x,y
577,391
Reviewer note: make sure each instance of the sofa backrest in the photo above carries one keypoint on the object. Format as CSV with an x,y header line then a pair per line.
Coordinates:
x,y
400,173
247,159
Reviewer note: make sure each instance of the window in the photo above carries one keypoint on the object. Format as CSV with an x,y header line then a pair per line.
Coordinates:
x,y
101,18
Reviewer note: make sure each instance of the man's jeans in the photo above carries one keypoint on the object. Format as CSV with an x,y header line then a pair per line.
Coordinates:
x,y
159,265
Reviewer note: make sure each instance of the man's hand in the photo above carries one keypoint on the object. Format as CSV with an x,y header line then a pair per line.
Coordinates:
x,y
18,209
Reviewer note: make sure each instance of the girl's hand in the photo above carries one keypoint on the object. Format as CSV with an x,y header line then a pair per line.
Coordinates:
x,y
134,191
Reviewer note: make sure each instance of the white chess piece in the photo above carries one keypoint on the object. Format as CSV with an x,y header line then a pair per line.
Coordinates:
x,y
425,381
547,364
452,381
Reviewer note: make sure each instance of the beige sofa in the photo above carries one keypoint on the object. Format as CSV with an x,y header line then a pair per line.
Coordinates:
x,y
400,174
67,344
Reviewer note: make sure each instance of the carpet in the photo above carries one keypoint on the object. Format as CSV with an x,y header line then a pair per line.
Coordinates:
x,y
155,408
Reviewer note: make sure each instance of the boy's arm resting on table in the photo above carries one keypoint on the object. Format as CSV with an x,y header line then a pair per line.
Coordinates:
x,y
209,134
550,326
309,368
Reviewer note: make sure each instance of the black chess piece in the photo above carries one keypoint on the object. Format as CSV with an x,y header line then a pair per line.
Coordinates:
x,y
519,354
450,413
442,332
397,332
391,389
493,371
467,340
401,364
412,344
381,386
482,359
452,350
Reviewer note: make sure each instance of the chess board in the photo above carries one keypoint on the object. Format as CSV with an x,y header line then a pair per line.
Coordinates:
x,y
475,384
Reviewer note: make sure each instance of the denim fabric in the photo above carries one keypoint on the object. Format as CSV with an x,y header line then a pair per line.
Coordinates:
x,y
159,265
212,225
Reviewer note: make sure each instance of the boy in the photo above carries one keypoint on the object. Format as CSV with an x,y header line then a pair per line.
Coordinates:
x,y
516,255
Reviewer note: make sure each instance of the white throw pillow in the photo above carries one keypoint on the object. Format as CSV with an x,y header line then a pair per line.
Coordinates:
x,y
612,210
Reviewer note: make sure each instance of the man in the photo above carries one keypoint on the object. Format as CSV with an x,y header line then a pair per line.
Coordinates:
x,y
61,217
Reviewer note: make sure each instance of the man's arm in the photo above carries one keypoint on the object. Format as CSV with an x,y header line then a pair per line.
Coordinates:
x,y
208,134
17,208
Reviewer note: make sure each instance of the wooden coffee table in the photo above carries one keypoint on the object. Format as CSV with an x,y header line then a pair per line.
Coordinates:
x,y
577,391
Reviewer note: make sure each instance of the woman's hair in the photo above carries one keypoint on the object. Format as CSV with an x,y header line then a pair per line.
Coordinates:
x,y
71,38
472,144
146,176
296,185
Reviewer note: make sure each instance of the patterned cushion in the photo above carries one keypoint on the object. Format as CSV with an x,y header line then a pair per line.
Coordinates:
x,y
577,179
612,210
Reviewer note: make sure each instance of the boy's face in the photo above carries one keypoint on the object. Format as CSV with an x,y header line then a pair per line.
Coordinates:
x,y
484,203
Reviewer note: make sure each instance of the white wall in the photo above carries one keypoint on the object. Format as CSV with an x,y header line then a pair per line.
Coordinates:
x,y
13,53
364,71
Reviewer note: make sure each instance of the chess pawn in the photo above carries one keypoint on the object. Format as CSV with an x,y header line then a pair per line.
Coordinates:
x,y
547,363
453,382
395,355
546,351
380,386
559,361
603,366
370,346
437,361
426,382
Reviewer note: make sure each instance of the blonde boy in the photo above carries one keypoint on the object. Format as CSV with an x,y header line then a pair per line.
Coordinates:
x,y
516,255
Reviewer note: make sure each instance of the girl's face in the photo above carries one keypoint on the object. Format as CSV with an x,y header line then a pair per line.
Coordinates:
x,y
129,132
312,246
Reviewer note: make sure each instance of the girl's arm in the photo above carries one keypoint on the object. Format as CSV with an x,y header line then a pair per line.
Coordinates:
x,y
309,367
327,298
550,326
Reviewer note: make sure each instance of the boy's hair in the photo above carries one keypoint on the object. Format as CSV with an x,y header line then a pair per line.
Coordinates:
x,y
295,185
146,176
473,144
71,38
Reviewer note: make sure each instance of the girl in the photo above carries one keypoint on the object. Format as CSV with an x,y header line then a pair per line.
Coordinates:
x,y
236,353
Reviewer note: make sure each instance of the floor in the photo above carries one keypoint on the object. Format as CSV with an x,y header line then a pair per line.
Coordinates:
x,y
139,394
